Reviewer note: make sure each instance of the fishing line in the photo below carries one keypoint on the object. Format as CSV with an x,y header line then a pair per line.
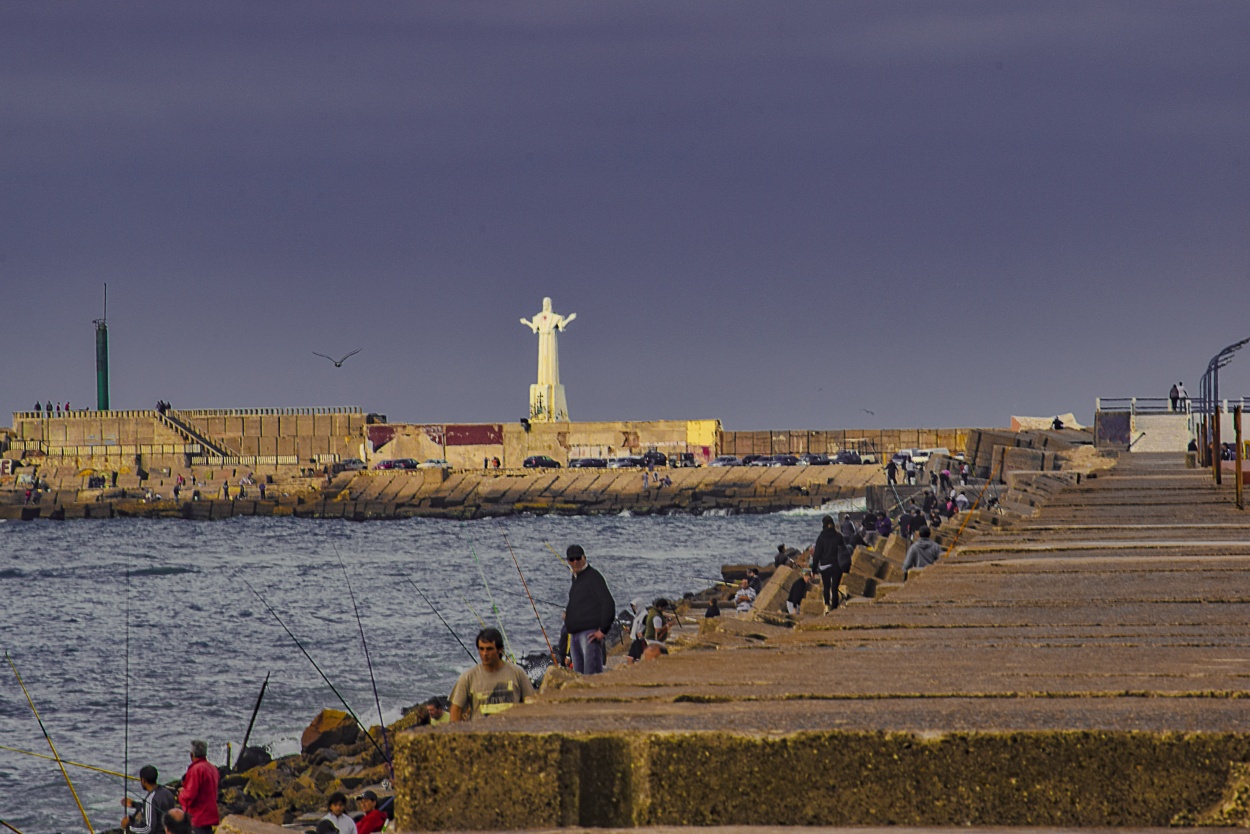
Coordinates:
x,y
333,688
440,618
51,746
68,762
472,611
525,585
493,607
368,662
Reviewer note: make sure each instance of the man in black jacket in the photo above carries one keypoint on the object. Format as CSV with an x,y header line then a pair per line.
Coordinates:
x,y
589,615
826,560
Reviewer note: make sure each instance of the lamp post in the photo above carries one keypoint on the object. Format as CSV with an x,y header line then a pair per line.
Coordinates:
x,y
1211,394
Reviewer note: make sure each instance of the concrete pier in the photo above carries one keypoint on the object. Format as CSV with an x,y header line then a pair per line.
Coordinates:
x,y
1084,664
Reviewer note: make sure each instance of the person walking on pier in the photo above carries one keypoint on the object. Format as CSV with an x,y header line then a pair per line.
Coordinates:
x,y
589,615
891,472
826,557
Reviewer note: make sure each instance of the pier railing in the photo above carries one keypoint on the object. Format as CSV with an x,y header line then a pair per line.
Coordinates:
x,y
1162,405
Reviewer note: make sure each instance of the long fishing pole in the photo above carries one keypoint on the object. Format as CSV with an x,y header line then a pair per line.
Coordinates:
x,y
552,603
256,709
526,585
333,688
559,558
11,828
51,746
440,618
126,689
68,762
368,662
493,607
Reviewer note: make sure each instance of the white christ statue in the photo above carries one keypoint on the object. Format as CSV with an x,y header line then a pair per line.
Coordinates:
x,y
547,401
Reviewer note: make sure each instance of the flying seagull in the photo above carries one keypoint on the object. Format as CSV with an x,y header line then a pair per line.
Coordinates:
x,y
866,411
338,363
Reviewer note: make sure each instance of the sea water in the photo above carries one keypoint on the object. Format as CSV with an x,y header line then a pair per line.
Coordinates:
x,y
158,614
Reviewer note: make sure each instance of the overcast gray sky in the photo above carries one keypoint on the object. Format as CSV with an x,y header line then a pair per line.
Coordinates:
x,y
775,214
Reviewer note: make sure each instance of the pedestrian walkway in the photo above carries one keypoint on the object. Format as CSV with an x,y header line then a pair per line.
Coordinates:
x,y
1085,666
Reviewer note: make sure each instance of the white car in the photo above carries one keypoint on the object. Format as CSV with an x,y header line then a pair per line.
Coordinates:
x,y
434,463
726,460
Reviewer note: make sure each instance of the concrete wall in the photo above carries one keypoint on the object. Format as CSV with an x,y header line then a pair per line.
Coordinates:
x,y
1160,432
797,442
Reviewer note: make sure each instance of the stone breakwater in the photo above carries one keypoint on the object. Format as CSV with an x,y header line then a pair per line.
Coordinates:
x,y
1080,660
436,493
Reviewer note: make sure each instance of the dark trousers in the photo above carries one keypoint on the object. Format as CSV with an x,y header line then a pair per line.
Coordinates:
x,y
830,580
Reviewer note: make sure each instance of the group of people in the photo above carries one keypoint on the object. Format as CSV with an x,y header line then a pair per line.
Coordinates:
x,y
60,409
193,811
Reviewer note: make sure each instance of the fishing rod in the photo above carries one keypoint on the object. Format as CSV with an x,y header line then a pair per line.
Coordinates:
x,y
559,558
526,585
536,599
333,688
440,618
68,762
256,709
126,689
368,662
51,746
11,828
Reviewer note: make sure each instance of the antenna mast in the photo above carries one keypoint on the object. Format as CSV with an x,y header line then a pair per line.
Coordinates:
x,y
102,356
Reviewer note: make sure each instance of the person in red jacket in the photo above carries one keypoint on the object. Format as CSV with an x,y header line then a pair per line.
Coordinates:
x,y
374,819
199,791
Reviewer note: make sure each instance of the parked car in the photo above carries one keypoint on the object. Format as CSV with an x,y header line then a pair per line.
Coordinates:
x,y
404,463
813,459
785,460
624,462
748,460
351,465
848,457
725,460
434,463
540,462
684,459
384,464
653,458
588,463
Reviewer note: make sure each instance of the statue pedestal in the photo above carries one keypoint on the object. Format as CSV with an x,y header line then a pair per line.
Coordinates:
x,y
547,403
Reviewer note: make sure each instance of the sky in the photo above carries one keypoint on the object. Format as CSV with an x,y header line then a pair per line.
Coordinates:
x,y
779,215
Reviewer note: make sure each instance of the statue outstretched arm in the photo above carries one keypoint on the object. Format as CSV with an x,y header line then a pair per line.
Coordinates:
x,y
530,325
564,320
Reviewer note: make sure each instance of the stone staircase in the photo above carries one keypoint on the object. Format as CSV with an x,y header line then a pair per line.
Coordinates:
x,y
187,430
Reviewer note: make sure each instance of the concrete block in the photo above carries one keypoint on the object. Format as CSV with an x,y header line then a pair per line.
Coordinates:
x,y
859,586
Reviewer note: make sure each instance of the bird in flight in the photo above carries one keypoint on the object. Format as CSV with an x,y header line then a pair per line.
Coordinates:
x,y
338,363
866,411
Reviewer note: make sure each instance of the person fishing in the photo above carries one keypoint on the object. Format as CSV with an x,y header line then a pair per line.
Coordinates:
x,y
148,818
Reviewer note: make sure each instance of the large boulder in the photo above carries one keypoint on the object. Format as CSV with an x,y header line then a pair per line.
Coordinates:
x,y
331,728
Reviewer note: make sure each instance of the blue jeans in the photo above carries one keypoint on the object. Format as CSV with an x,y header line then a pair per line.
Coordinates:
x,y
587,653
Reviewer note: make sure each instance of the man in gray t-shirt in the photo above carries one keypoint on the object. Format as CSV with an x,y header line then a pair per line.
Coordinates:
x,y
493,685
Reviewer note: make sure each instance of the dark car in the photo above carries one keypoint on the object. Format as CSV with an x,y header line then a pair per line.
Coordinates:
x,y
847,456
405,463
685,459
813,459
588,463
748,460
654,458
384,464
785,460
540,462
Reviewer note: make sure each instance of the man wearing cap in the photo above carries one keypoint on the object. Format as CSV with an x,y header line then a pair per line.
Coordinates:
x,y
374,818
199,791
589,615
